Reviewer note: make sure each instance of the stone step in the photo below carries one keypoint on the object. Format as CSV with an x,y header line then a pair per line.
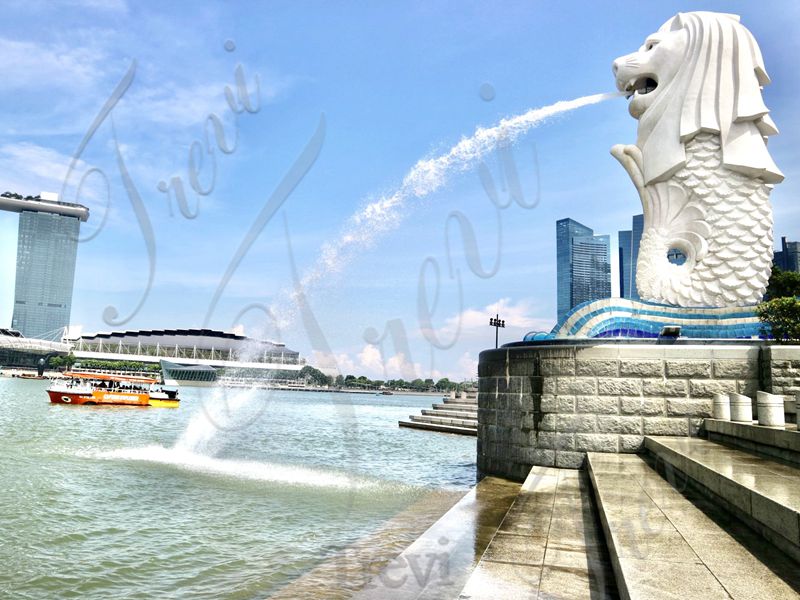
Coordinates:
x,y
439,428
783,444
763,493
444,421
455,406
549,545
456,414
666,544
461,400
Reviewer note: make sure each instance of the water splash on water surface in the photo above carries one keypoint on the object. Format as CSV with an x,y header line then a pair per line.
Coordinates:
x,y
241,469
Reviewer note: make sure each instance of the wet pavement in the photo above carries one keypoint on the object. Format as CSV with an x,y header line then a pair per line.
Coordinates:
x,y
549,545
437,565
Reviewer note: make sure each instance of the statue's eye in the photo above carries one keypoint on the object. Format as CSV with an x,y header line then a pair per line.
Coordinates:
x,y
650,46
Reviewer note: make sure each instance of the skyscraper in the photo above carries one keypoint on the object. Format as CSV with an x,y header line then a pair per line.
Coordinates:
x,y
624,249
788,257
583,265
47,246
636,239
628,243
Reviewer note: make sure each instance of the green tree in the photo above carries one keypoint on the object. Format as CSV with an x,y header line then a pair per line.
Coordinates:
x,y
314,376
781,317
783,284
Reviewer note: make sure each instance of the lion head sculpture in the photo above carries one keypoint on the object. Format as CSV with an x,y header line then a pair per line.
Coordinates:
x,y
700,72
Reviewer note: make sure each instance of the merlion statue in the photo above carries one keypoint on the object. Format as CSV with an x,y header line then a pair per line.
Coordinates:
x,y
700,163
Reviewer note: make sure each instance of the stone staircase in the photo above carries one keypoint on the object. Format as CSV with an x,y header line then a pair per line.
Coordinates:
x,y
715,518
710,518
453,415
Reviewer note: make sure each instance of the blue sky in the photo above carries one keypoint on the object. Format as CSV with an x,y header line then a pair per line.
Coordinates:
x,y
381,86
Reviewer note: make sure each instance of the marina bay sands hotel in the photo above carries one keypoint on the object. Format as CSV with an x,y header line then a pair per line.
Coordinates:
x,y
47,247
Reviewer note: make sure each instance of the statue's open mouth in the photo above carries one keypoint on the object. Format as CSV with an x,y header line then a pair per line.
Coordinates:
x,y
642,85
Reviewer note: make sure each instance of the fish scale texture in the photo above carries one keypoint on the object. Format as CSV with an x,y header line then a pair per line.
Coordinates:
x,y
720,219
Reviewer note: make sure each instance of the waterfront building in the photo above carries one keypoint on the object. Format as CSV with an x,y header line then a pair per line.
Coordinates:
x,y
583,265
787,257
47,247
189,356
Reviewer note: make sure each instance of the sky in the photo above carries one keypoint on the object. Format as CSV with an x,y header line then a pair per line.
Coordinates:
x,y
225,148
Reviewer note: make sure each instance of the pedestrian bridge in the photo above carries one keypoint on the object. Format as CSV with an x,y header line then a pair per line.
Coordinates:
x,y
11,340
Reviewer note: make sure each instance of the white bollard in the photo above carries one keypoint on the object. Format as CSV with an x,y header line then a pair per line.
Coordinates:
x,y
463,395
722,407
790,408
452,394
770,410
741,408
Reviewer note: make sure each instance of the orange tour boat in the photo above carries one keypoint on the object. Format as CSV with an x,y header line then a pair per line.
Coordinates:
x,y
101,388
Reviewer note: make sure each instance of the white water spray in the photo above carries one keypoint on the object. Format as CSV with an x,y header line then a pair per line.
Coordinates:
x,y
427,176
186,460
223,412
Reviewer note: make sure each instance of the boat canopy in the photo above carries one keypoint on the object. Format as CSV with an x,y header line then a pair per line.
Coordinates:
x,y
107,377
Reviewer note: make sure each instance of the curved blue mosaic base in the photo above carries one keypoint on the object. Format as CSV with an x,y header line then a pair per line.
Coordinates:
x,y
620,317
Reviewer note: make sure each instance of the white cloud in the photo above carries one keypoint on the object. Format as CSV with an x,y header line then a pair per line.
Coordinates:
x,y
370,363
107,6
28,65
118,6
370,358
28,169
472,321
467,367
178,106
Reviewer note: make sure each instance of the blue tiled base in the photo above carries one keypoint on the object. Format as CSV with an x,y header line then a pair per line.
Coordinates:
x,y
620,317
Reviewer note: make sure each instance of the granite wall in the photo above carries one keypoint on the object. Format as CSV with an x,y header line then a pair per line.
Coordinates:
x,y
550,404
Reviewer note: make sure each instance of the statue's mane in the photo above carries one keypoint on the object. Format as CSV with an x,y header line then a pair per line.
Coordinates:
x,y
717,89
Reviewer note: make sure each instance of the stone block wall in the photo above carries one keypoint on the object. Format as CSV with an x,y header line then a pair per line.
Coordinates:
x,y
780,368
550,404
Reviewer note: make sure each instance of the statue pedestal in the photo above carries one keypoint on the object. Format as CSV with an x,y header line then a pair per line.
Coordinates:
x,y
620,317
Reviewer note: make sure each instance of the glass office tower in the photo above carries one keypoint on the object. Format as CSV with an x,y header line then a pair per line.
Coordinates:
x,y
624,249
788,257
636,238
583,265
47,246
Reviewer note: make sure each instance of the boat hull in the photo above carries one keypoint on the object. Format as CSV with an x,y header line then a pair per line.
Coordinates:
x,y
103,397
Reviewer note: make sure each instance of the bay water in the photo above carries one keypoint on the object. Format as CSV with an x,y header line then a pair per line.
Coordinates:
x,y
201,501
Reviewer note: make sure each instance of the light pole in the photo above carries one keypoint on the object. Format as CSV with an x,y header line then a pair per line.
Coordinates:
x,y
497,323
